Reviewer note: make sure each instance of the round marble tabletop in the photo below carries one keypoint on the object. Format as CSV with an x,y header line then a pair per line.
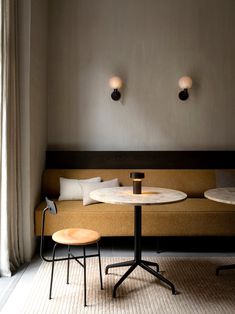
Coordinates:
x,y
222,195
150,195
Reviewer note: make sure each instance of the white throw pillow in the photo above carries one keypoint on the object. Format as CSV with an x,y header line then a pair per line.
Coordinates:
x,y
89,187
71,189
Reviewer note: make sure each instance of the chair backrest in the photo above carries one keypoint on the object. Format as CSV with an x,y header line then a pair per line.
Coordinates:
x,y
51,206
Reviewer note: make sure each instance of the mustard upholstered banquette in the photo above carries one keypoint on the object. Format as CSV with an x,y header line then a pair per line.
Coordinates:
x,y
195,216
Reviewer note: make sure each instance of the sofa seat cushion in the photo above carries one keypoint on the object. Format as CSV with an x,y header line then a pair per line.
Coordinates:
x,y
194,216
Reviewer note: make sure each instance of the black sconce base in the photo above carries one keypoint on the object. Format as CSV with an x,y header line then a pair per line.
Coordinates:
x,y
183,95
116,95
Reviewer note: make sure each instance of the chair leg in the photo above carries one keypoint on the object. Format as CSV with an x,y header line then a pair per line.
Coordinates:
x,y
84,266
52,269
101,282
68,264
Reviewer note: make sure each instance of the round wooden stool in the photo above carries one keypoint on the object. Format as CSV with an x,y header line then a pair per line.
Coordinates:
x,y
70,237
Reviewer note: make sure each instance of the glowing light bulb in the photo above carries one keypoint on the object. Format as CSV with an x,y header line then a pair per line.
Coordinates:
x,y
115,82
185,82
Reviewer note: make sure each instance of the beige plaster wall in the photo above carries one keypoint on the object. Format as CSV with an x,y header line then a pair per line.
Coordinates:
x,y
150,44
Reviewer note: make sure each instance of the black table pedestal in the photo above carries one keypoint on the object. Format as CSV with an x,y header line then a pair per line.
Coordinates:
x,y
137,259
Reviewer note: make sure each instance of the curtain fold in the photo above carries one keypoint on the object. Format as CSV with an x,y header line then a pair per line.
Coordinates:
x,y
11,239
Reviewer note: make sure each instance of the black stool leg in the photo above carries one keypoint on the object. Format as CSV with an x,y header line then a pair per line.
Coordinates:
x,y
52,269
101,282
84,265
68,265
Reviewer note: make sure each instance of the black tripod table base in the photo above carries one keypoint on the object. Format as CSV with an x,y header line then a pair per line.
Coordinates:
x,y
143,264
232,266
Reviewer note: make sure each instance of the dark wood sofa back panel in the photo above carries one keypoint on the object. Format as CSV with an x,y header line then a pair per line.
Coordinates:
x,y
140,159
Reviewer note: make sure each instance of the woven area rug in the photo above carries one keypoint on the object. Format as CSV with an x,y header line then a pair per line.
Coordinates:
x,y
198,289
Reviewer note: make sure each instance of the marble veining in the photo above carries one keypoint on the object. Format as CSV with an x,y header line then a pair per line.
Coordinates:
x,y
222,195
149,195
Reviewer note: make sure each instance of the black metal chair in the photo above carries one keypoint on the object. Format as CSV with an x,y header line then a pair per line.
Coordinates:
x,y
70,237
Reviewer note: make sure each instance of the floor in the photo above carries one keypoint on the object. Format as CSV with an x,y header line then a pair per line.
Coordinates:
x,y
14,290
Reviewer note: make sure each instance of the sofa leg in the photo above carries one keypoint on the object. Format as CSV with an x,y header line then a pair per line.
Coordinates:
x,y
158,250
158,245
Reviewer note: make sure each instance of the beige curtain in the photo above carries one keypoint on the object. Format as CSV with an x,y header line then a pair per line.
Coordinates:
x,y
11,242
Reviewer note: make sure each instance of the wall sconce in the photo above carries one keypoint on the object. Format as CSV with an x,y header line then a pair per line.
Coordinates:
x,y
137,176
116,83
185,82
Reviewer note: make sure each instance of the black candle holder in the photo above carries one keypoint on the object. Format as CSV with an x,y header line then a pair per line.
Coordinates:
x,y
137,177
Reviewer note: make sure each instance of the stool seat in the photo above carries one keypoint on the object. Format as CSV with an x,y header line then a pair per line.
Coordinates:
x,y
76,236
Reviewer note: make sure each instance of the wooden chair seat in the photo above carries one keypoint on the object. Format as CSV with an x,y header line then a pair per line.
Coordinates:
x,y
76,236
